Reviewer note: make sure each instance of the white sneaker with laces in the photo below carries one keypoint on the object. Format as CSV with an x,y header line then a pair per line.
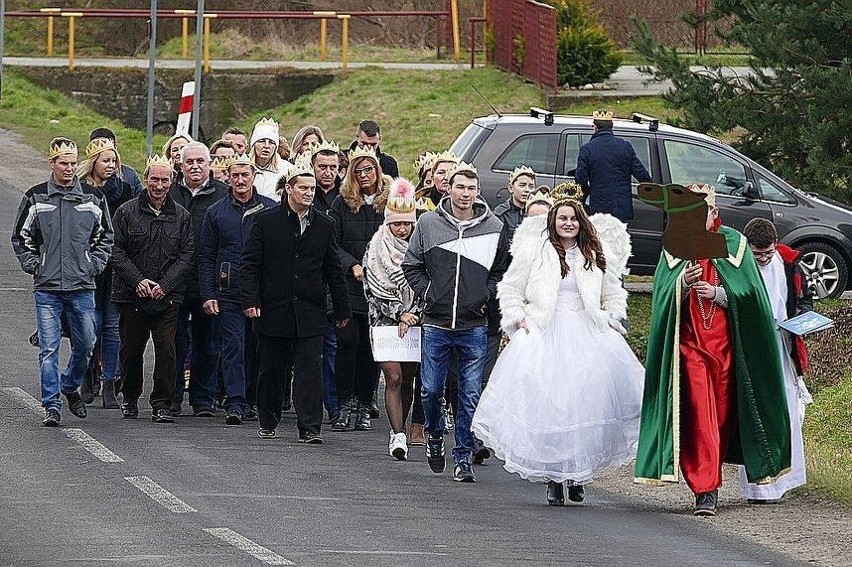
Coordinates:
x,y
398,446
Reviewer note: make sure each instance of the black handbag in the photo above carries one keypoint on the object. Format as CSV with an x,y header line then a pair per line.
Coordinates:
x,y
152,307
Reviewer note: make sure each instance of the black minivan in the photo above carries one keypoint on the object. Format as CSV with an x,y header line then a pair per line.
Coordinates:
x,y
820,228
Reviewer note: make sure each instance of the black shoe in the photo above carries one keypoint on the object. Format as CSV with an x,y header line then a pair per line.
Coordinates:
x,y
76,405
344,419
311,438
51,418
362,421
177,408
162,416
435,454
576,492
482,454
108,396
233,417
266,433
219,402
555,494
332,416
129,411
34,342
250,414
203,411
706,503
374,407
464,472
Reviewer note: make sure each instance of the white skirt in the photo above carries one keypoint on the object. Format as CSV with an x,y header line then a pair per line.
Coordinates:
x,y
563,403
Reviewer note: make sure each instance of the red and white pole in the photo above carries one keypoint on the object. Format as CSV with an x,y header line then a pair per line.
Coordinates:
x,y
185,108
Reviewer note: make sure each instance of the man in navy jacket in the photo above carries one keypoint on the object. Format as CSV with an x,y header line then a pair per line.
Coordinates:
x,y
604,168
224,233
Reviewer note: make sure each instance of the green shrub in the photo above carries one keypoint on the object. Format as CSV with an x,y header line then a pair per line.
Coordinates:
x,y
584,52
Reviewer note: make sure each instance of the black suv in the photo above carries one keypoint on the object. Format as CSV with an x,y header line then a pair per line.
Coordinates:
x,y
821,229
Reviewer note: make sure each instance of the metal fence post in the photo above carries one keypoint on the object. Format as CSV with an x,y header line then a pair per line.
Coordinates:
x,y
207,18
196,100
72,17
152,58
344,44
454,12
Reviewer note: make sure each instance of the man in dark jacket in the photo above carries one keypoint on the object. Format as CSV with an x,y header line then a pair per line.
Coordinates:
x,y
369,135
154,250
521,186
195,191
63,237
291,250
224,233
604,168
455,258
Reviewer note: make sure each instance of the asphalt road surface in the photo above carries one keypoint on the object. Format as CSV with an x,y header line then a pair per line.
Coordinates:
x,y
103,491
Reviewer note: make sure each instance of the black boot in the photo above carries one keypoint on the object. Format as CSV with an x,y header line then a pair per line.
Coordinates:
x,y
706,503
344,419
87,388
576,492
555,494
108,395
362,421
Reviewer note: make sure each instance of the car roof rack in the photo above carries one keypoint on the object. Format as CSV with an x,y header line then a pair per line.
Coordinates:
x,y
639,118
536,112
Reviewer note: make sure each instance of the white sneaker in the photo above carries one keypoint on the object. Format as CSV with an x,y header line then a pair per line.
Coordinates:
x,y
398,446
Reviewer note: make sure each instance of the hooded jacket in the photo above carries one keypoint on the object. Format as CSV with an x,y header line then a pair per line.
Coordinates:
x,y
63,236
454,265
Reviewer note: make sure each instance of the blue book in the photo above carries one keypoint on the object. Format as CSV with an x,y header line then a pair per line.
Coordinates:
x,y
807,323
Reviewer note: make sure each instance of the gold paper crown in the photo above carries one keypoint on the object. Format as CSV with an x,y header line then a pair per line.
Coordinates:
x,y
522,170
265,121
324,146
62,147
602,115
538,197
445,157
157,159
708,191
220,163
567,191
365,152
300,167
239,159
424,161
425,205
97,146
462,166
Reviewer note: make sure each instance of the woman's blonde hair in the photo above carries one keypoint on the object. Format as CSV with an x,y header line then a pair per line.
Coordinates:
x,y
87,166
351,193
303,133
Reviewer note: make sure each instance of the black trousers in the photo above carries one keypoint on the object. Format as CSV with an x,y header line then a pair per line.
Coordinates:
x,y
356,372
275,355
135,328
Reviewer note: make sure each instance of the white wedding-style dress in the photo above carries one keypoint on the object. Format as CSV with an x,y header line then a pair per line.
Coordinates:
x,y
563,403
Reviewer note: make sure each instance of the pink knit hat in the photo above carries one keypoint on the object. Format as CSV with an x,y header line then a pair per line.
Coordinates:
x,y
401,203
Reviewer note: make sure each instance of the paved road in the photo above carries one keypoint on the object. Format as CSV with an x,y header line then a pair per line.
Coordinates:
x,y
103,491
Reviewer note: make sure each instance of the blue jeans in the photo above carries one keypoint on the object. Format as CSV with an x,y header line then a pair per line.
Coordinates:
x,y
78,307
238,356
106,328
329,354
470,345
202,369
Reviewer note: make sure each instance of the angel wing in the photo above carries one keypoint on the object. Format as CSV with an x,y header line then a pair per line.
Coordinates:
x,y
615,240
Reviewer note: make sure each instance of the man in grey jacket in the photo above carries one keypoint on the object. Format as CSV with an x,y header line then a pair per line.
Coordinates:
x,y
63,237
455,257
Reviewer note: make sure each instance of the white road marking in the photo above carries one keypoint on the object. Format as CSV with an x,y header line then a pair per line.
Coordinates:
x,y
22,397
92,445
160,495
259,552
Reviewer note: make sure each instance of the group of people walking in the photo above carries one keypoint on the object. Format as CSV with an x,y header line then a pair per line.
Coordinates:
x,y
266,277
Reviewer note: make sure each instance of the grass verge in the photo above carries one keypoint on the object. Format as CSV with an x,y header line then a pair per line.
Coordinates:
x,y
40,114
828,441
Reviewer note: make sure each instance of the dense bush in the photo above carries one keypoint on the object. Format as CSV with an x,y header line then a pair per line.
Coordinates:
x,y
585,53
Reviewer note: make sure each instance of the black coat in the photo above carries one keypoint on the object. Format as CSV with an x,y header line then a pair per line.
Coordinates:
x,y
354,232
283,273
197,205
156,247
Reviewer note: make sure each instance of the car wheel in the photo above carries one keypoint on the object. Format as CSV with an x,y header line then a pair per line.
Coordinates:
x,y
825,267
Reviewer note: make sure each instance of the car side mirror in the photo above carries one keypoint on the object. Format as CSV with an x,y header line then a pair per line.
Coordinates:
x,y
750,191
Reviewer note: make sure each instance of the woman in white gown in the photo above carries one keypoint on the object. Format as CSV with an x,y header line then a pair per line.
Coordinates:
x,y
563,402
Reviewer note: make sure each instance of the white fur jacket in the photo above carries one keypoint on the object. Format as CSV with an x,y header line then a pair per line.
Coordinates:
x,y
530,288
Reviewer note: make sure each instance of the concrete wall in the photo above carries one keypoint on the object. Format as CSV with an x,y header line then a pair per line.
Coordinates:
x,y
225,97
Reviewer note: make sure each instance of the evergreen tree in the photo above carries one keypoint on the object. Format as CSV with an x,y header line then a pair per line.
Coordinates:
x,y
792,113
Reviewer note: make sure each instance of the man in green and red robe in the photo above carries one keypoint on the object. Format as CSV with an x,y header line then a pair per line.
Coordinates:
x,y
714,389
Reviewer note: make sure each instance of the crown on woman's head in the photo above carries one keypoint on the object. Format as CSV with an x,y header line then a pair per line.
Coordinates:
x,y
445,157
97,146
424,161
363,152
567,191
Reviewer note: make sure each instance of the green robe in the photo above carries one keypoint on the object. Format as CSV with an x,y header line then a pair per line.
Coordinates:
x,y
763,443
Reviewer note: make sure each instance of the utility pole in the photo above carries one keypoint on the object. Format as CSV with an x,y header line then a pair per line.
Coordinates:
x,y
152,59
199,35
2,41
